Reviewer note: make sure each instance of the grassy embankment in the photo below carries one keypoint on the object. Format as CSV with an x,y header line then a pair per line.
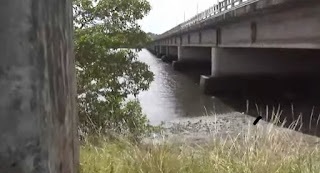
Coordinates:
x,y
259,150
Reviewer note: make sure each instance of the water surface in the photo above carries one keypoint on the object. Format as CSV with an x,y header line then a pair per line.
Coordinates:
x,y
173,94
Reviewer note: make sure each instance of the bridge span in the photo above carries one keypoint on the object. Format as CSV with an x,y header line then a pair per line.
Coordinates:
x,y
275,43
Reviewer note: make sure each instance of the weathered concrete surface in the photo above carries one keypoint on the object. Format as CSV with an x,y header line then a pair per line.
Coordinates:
x,y
163,50
171,54
172,51
254,61
37,79
257,24
157,50
284,29
160,51
194,54
246,10
193,58
263,71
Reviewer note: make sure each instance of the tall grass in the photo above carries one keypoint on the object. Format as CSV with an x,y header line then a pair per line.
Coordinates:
x,y
261,149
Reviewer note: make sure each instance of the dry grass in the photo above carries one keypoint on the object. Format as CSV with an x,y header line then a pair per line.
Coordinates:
x,y
258,150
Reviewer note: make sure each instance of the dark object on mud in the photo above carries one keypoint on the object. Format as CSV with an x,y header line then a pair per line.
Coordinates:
x,y
257,120
168,58
165,58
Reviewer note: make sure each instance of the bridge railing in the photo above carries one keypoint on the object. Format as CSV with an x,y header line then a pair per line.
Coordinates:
x,y
215,10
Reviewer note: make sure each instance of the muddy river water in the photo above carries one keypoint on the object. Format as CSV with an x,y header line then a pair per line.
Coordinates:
x,y
174,96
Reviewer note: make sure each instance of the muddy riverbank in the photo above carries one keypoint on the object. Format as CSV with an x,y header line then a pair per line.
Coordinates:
x,y
202,130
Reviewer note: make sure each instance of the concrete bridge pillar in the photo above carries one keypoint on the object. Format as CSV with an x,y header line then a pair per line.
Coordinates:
x,y
162,51
171,54
193,57
239,69
152,49
157,50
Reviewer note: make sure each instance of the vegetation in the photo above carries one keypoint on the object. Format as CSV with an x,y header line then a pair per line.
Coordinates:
x,y
152,35
259,150
106,74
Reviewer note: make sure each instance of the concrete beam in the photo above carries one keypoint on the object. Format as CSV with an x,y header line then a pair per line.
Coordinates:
x,y
248,9
163,50
172,51
190,58
185,40
283,29
209,37
194,54
171,54
38,117
255,71
260,24
195,38
243,61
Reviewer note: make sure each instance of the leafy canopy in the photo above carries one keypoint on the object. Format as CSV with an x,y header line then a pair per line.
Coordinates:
x,y
106,74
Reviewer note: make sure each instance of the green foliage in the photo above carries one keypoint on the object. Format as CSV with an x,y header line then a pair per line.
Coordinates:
x,y
152,35
106,74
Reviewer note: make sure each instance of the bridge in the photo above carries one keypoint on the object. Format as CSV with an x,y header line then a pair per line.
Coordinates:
x,y
248,43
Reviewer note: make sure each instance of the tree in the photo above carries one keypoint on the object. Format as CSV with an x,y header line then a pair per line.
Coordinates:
x,y
152,35
106,74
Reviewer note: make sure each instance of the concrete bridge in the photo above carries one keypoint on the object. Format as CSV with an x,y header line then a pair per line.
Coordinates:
x,y
271,43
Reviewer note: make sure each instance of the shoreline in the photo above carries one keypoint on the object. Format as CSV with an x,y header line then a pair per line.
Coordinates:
x,y
202,130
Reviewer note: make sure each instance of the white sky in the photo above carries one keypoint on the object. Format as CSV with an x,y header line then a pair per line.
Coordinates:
x,y
166,14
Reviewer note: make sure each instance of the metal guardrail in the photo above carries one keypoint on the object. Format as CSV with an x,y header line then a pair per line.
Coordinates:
x,y
209,13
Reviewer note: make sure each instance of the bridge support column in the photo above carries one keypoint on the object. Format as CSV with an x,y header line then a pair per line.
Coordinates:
x,y
157,50
193,58
153,49
162,51
247,69
171,54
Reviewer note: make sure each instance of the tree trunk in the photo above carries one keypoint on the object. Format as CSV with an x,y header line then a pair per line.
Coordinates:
x,y
38,118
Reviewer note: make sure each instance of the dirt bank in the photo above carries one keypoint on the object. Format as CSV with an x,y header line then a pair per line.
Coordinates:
x,y
201,130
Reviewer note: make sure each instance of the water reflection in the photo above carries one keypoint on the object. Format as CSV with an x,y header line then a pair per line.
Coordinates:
x,y
174,95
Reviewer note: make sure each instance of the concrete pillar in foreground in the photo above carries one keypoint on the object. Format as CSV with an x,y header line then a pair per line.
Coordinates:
x,y
238,69
38,118
193,58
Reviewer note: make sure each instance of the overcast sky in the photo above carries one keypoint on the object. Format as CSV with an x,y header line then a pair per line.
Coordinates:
x,y
165,14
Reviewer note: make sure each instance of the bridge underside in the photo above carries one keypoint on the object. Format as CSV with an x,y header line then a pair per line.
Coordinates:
x,y
265,71
287,24
248,71
270,45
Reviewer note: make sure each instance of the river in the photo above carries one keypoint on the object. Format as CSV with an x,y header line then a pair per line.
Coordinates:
x,y
174,95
